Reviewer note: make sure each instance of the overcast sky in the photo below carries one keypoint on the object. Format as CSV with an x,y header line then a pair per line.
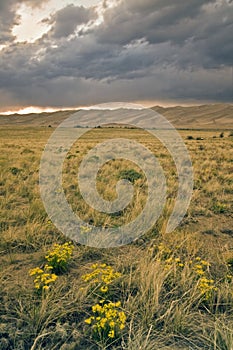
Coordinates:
x,y
64,53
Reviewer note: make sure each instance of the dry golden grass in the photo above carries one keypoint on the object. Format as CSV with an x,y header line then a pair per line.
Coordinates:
x,y
163,304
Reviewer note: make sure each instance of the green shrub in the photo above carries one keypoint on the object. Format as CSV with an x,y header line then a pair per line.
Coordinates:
x,y
130,175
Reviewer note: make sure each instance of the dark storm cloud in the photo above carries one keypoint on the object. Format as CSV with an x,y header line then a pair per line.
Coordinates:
x,y
66,20
83,57
208,24
149,49
155,20
8,19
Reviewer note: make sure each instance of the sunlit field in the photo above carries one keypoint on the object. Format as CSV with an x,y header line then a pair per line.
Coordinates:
x,y
163,291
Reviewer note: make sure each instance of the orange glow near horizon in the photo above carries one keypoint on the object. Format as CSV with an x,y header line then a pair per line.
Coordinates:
x,y
36,109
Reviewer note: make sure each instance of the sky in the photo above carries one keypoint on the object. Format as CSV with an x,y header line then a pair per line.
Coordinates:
x,y
59,54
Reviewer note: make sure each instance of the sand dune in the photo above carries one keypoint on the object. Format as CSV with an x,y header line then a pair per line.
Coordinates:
x,y
217,116
212,116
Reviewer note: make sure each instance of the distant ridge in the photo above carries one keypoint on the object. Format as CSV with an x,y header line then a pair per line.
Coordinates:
x,y
211,116
36,119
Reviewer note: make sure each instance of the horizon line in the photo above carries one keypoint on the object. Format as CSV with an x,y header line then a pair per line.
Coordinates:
x,y
141,104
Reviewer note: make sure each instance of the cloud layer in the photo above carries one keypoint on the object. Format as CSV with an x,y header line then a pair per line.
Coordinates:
x,y
131,50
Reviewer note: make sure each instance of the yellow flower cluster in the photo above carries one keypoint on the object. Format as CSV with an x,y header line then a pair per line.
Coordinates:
x,y
206,287
200,266
161,251
162,248
173,261
43,277
84,229
107,320
59,256
57,262
205,284
166,255
102,275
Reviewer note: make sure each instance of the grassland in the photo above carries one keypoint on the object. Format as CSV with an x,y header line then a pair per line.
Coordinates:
x,y
159,285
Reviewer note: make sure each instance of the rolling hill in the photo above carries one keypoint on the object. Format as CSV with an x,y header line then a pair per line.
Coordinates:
x,y
211,116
